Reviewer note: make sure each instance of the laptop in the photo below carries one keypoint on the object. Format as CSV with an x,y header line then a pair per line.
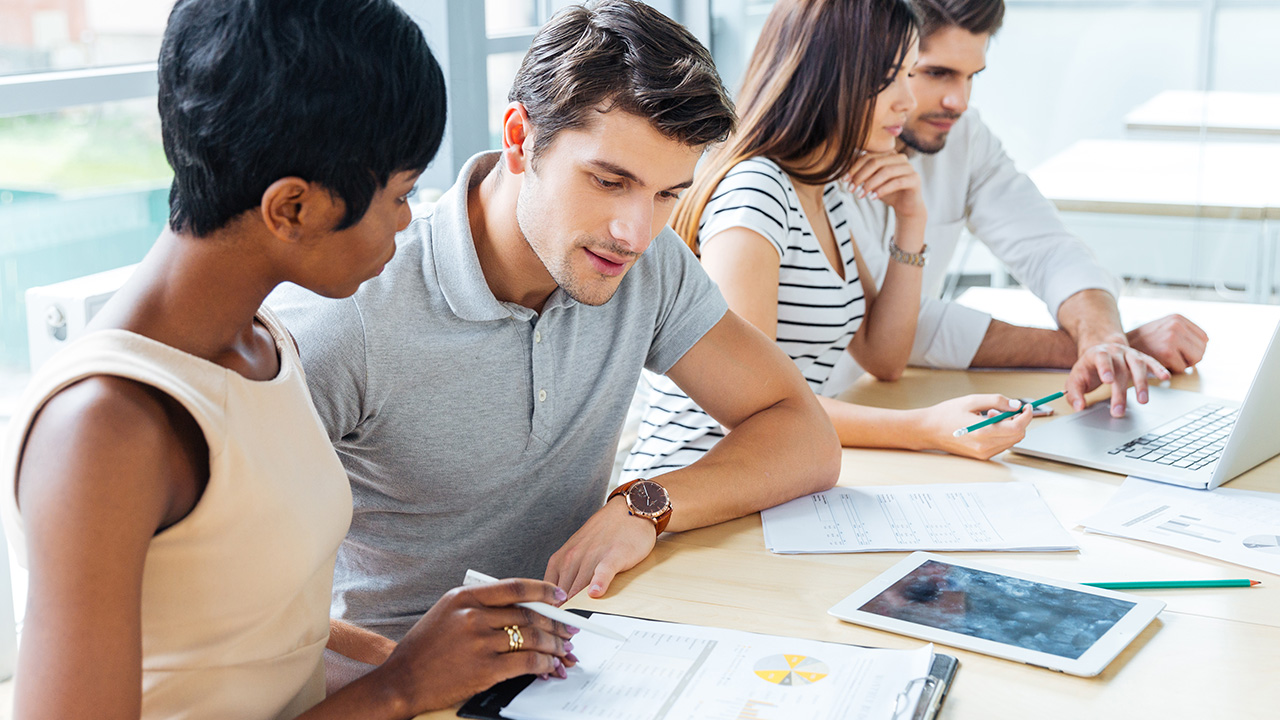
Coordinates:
x,y
1179,437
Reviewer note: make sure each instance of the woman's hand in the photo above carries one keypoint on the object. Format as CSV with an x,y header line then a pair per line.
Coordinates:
x,y
939,423
889,177
461,646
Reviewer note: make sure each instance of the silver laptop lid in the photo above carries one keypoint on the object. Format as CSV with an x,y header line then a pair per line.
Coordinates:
x,y
1256,436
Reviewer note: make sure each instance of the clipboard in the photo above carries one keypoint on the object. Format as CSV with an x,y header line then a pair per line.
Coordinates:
x,y
488,705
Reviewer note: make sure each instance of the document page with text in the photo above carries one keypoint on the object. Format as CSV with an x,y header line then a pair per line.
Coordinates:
x,y
667,671
1238,526
890,518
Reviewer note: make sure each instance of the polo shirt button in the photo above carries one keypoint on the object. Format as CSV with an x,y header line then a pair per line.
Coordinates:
x,y
542,395
537,336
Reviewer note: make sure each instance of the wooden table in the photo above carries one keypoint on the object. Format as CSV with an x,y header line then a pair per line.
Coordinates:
x,y
1256,114
1210,654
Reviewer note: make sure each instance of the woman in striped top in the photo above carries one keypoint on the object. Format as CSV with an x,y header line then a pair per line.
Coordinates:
x,y
768,215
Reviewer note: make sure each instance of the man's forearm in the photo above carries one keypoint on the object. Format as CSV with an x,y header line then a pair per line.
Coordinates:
x,y
358,644
786,451
1006,345
1088,318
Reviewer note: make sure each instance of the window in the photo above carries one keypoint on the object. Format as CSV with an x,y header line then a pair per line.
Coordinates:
x,y
43,35
84,183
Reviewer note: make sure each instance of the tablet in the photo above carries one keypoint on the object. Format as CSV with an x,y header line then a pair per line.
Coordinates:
x,y
1035,620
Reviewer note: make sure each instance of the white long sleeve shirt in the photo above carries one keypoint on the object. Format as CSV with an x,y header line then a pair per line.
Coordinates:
x,y
973,182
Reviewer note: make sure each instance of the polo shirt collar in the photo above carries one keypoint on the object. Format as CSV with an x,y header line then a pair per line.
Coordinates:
x,y
456,264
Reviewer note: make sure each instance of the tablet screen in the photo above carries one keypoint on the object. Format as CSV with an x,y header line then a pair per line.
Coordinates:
x,y
1003,609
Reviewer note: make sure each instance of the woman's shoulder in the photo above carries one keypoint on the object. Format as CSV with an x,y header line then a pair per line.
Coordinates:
x,y
756,171
754,181
756,195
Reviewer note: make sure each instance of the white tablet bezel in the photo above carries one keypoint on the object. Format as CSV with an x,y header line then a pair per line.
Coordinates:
x,y
1089,664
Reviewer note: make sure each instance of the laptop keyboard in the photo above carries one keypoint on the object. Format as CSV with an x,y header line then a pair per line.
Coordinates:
x,y
1191,441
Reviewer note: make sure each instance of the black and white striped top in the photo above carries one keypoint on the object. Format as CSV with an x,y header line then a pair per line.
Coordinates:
x,y
818,312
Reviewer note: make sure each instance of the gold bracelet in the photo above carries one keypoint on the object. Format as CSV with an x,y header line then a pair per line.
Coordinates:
x,y
916,259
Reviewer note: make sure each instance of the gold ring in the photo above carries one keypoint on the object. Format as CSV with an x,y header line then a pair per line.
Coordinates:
x,y
515,640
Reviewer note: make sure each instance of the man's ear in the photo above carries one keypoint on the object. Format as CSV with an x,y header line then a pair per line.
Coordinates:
x,y
292,206
517,134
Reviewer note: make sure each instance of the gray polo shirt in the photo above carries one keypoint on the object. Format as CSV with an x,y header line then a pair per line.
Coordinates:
x,y
477,433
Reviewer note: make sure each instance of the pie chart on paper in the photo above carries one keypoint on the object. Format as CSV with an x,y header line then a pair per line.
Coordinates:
x,y
1263,543
791,669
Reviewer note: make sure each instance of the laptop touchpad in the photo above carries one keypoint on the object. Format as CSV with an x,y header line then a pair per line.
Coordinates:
x,y
1100,418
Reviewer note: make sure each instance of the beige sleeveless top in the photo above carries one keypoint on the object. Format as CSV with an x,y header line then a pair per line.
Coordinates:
x,y
235,596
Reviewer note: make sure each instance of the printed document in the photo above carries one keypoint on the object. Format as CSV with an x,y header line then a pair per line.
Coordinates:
x,y
667,671
1238,526
890,518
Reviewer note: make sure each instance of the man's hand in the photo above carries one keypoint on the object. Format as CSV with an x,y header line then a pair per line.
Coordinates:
x,y
1116,364
1174,341
610,542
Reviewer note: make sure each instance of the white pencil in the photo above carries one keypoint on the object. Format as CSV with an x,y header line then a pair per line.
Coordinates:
x,y
549,611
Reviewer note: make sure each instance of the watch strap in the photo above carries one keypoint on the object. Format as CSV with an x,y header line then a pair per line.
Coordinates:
x,y
659,521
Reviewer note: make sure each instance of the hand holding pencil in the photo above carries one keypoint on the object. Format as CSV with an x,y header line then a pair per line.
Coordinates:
x,y
1006,415
940,421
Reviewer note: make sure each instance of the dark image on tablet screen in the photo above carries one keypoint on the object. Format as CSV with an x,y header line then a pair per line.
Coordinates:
x,y
999,608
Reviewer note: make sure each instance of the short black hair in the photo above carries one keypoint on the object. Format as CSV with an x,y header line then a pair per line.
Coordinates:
x,y
342,93
976,16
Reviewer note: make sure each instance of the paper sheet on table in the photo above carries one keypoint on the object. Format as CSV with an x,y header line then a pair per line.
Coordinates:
x,y
972,516
1238,526
667,671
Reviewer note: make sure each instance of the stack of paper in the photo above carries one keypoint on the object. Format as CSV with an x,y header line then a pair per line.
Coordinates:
x,y
686,672
1238,526
889,518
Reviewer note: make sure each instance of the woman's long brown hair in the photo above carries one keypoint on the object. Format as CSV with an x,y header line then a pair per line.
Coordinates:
x,y
812,81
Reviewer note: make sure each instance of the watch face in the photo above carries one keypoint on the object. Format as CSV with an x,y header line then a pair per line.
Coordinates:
x,y
648,497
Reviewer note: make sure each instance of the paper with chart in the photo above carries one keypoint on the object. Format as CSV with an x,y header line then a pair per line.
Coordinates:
x,y
887,518
667,671
1238,526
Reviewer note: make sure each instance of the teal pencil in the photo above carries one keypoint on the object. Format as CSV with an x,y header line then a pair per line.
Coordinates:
x,y
1006,415
1160,584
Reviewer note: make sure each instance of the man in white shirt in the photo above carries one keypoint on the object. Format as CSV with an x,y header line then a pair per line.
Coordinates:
x,y
969,180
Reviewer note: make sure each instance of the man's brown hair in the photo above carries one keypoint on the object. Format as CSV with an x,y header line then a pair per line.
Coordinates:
x,y
623,55
976,16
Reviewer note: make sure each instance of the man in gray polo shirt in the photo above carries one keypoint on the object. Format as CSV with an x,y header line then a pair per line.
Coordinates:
x,y
477,389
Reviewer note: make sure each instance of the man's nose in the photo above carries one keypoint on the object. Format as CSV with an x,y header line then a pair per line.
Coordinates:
x,y
956,100
633,227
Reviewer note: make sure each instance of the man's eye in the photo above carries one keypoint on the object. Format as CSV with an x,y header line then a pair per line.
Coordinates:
x,y
405,197
608,184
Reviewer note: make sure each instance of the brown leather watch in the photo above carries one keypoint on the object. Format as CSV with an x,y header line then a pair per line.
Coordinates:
x,y
646,499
